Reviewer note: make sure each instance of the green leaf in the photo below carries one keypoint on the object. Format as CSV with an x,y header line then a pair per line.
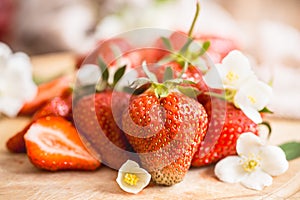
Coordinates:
x,y
266,110
206,45
167,43
189,91
104,69
204,48
291,150
150,75
185,46
168,75
118,75
139,82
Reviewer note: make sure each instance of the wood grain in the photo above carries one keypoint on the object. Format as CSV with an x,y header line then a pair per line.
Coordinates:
x,y
19,179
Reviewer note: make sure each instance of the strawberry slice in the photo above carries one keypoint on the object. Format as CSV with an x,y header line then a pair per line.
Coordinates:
x,y
53,144
47,91
16,143
58,106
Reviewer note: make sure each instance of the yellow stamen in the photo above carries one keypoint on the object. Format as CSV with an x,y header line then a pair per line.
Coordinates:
x,y
231,76
131,179
252,99
250,163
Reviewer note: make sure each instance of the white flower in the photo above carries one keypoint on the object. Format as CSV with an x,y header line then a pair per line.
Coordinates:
x,y
255,164
131,178
241,85
233,71
252,97
16,84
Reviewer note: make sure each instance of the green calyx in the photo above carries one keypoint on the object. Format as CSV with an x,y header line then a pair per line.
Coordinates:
x,y
169,84
104,84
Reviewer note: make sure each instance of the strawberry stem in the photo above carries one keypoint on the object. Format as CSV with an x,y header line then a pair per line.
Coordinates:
x,y
194,19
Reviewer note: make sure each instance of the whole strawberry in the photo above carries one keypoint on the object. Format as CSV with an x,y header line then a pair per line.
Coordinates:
x,y
223,131
97,117
165,128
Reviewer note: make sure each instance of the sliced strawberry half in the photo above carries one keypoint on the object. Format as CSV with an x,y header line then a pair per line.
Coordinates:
x,y
53,144
16,143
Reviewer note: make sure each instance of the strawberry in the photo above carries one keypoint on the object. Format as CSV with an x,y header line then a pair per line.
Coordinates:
x,y
53,144
223,131
165,128
46,92
16,144
97,118
58,106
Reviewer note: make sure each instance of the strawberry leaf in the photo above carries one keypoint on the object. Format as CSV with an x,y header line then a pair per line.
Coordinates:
x,y
168,75
150,75
167,43
291,150
103,69
266,110
185,46
118,75
139,82
189,91
204,48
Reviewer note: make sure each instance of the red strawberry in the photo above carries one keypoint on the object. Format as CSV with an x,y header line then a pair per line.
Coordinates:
x,y
53,144
223,131
97,117
165,128
16,144
46,92
58,106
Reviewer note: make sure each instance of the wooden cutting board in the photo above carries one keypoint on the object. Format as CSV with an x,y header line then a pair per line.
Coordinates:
x,y
19,179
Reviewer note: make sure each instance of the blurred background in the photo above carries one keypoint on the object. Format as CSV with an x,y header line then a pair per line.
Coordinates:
x,y
267,31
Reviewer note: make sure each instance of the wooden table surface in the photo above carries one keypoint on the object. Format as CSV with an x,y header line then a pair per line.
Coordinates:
x,y
19,179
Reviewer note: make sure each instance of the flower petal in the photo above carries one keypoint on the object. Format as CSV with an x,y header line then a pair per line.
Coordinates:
x,y
248,143
257,180
256,93
273,160
5,52
10,106
251,113
133,168
235,69
230,170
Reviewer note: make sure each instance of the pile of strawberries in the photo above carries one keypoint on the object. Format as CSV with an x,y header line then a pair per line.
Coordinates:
x,y
158,123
